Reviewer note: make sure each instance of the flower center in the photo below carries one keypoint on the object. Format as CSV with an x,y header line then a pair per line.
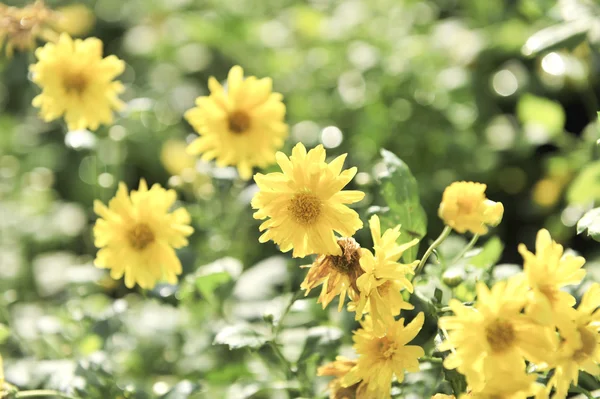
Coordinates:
x,y
75,82
305,208
465,204
239,122
588,345
500,335
140,236
348,262
386,348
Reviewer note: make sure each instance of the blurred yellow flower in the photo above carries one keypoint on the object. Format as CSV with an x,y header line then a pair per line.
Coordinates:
x,y
77,82
465,207
339,368
174,157
305,203
380,358
546,272
241,125
74,19
20,27
443,396
510,386
494,337
336,273
581,351
546,192
137,235
384,278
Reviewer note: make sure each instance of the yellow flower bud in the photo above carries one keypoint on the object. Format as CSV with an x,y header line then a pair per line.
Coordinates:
x,y
465,207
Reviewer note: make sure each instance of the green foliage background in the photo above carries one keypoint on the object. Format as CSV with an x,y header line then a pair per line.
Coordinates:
x,y
504,93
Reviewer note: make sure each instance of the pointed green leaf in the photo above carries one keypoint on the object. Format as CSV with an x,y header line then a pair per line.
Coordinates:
x,y
489,255
590,222
400,191
566,34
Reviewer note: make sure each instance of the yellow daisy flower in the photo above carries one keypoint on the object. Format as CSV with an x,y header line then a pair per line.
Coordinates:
x,y
77,82
380,358
339,368
305,203
137,235
336,273
241,125
510,386
465,207
546,272
494,337
384,278
582,351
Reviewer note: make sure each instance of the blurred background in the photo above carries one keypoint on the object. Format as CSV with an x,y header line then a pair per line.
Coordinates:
x,y
500,92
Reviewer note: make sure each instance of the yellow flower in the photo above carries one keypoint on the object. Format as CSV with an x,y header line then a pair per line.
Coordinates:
x,y
336,273
581,351
305,204
510,386
20,27
383,278
494,337
546,272
241,125
174,157
74,19
443,396
339,368
465,207
77,82
137,235
380,358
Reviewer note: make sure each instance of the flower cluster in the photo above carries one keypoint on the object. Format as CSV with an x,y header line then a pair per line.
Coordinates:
x,y
305,206
527,319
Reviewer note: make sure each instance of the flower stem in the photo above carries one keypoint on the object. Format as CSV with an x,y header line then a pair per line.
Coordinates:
x,y
466,249
42,393
445,233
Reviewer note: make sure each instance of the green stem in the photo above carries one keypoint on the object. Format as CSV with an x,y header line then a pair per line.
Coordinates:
x,y
445,233
466,249
289,372
430,359
41,393
279,325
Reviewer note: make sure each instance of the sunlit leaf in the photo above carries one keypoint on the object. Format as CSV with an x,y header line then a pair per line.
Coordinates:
x,y
241,336
566,34
590,222
585,187
400,191
489,255
540,112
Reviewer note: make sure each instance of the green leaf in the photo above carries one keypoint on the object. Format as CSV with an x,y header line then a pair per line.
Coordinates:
x,y
400,191
241,336
585,187
4,332
457,381
566,34
320,340
209,283
489,255
590,222
539,111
